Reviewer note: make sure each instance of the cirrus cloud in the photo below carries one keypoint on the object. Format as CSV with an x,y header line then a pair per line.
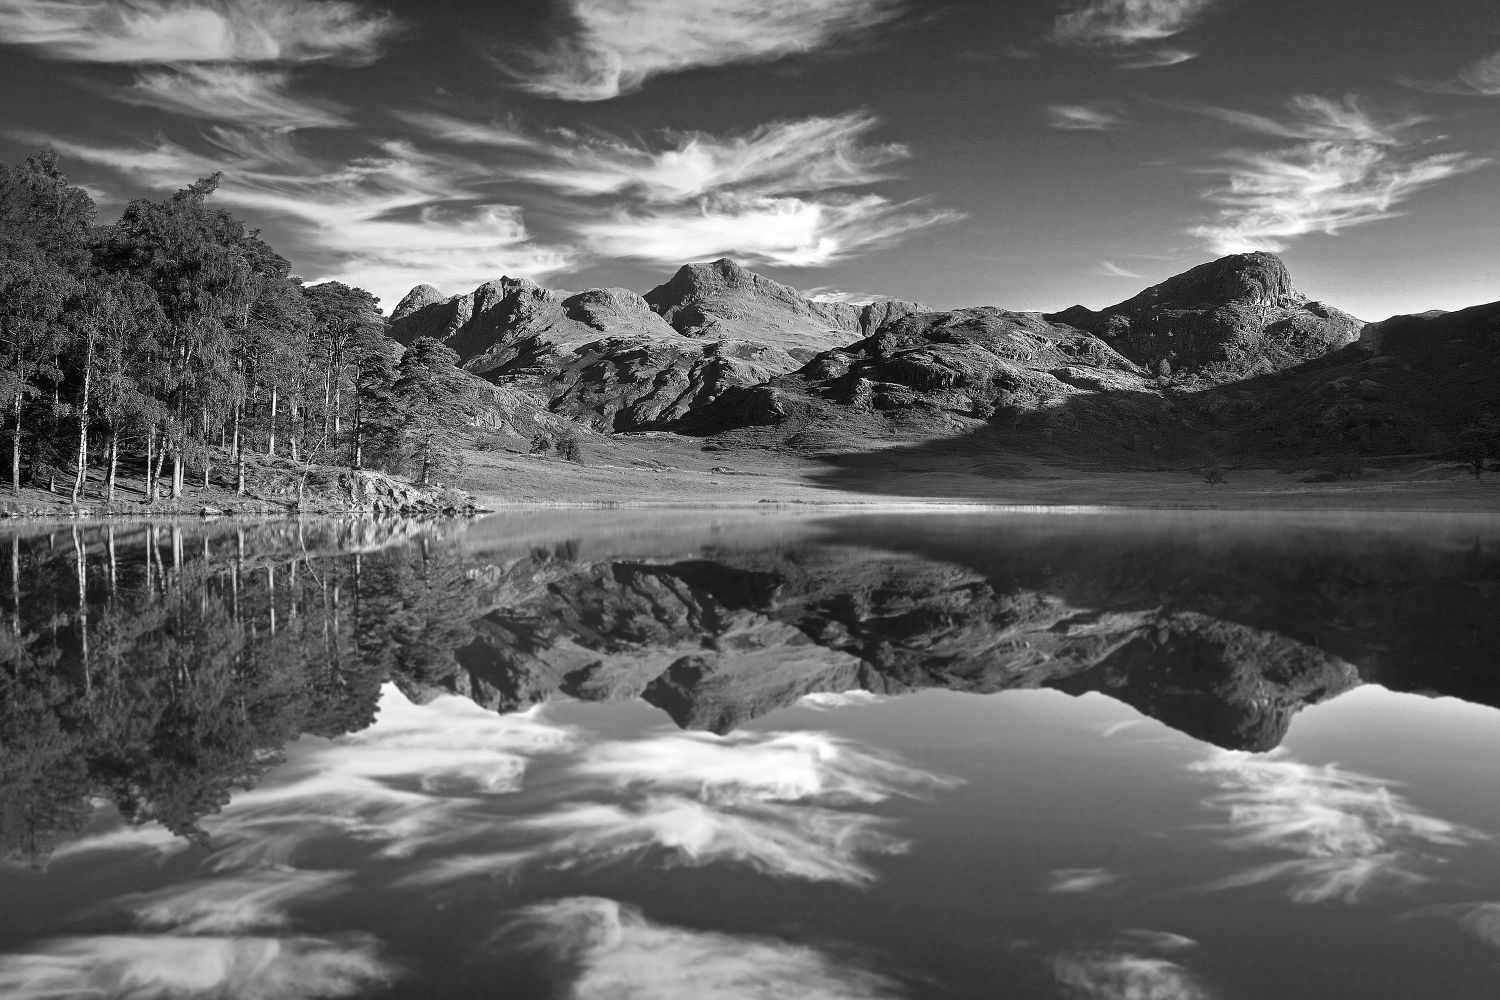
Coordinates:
x,y
811,154
1347,834
617,952
617,45
231,94
787,232
193,31
1348,167
1131,30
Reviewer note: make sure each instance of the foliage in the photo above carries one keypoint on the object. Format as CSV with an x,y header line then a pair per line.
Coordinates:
x,y
179,337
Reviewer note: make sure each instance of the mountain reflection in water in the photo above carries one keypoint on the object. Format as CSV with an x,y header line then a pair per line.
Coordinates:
x,y
157,677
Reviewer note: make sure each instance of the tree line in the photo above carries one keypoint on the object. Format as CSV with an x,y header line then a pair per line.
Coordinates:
x,y
176,339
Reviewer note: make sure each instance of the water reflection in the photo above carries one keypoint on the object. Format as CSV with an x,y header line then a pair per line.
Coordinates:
x,y
732,759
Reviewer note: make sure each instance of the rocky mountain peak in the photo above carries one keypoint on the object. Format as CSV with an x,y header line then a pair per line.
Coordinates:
x,y
418,298
1257,278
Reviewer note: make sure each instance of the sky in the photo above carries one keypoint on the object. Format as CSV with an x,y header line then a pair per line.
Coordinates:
x,y
1029,154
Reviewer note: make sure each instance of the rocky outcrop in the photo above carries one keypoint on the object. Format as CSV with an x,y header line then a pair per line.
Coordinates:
x,y
917,368
722,300
1224,320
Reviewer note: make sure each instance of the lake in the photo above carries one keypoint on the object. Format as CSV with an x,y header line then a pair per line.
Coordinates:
x,y
743,754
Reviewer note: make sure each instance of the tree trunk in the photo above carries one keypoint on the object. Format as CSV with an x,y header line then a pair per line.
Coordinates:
x,y
114,463
15,449
81,477
271,443
176,470
149,487
426,458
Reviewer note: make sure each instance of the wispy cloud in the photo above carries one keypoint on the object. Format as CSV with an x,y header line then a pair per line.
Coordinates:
x,y
1480,78
1348,168
616,45
1347,834
412,790
385,221
779,194
789,231
839,699
191,31
1078,881
1120,970
1480,921
170,966
1153,58
500,135
231,94
1110,269
809,155
1083,117
1131,30
616,951
258,901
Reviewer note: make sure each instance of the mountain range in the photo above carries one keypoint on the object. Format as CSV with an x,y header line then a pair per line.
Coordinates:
x,y
1225,363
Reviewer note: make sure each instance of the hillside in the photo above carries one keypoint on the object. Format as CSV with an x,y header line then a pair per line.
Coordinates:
x,y
1225,365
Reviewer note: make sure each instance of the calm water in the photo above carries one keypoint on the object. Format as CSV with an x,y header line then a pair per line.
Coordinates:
x,y
1154,757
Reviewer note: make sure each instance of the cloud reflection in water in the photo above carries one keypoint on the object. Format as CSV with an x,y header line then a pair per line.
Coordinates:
x,y
168,967
1348,833
616,952
1123,970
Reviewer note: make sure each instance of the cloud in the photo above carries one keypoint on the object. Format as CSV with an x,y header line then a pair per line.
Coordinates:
x,y
810,155
385,221
784,231
407,783
230,94
1130,30
450,129
1109,23
1483,922
775,195
776,802
619,44
839,699
1151,59
1076,881
1119,970
1348,168
192,31
174,967
617,952
1347,834
803,841
758,767
1126,976
232,905
1082,117
1480,78
1111,269
416,790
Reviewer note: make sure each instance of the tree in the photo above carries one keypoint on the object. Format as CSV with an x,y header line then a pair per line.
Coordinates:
x,y
44,234
433,394
1476,443
1214,476
347,330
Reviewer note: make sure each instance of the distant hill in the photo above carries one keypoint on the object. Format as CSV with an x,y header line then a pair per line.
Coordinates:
x,y
1226,362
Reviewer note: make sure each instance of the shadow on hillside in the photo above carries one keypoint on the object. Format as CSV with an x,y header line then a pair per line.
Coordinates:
x,y
1340,412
